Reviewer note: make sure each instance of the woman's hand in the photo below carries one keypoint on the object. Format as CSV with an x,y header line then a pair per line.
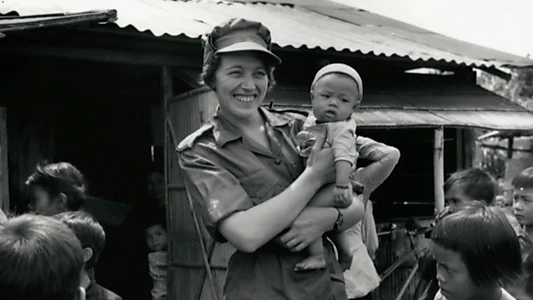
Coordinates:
x,y
310,225
321,162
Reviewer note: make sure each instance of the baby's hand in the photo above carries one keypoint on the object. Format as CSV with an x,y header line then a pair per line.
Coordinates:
x,y
342,195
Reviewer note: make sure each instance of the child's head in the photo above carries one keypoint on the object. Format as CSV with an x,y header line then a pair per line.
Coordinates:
x,y
88,231
523,197
56,188
40,258
156,232
476,250
336,92
464,187
155,187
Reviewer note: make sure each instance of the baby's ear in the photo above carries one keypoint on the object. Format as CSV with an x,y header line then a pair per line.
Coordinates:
x,y
312,94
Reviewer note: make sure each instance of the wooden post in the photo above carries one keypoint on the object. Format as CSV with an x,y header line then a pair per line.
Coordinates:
x,y
459,145
510,146
438,168
4,169
168,93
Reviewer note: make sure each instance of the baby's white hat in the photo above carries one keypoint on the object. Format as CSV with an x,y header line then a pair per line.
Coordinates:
x,y
342,69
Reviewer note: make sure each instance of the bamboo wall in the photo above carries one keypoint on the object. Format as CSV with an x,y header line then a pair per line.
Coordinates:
x,y
187,269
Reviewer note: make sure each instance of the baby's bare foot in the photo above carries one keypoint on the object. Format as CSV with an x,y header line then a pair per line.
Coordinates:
x,y
312,262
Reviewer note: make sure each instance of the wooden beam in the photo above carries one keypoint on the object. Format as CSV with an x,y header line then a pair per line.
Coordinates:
x,y
303,3
100,55
497,72
510,146
167,92
459,146
4,168
40,21
438,168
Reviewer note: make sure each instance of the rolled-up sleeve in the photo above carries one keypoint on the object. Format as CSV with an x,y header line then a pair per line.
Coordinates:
x,y
216,193
384,158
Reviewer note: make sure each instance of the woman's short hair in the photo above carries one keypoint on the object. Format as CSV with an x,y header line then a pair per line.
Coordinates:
x,y
486,241
58,178
524,179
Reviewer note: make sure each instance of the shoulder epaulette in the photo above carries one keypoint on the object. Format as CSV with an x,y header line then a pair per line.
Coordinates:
x,y
189,141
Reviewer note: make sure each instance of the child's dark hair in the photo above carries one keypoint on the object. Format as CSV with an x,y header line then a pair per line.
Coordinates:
x,y
477,184
87,230
40,258
57,178
524,179
482,235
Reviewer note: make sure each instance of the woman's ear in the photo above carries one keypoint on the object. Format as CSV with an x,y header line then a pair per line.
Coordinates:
x,y
87,254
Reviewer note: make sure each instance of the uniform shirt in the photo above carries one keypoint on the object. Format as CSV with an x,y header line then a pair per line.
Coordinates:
x,y
225,173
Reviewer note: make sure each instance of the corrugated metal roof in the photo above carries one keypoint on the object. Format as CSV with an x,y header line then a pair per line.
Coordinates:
x,y
324,28
461,105
13,23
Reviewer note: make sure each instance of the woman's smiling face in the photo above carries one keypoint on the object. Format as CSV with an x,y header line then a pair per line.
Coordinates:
x,y
241,83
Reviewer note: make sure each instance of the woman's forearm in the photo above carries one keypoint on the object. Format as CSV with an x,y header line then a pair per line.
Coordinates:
x,y
251,229
352,214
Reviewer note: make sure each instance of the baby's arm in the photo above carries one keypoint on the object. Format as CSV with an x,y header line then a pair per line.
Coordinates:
x,y
343,144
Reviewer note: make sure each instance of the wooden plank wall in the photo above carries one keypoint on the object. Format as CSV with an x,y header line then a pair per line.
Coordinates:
x,y
187,271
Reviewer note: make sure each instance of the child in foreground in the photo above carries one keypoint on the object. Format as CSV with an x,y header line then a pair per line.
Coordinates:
x,y
336,91
523,211
40,258
477,253
461,189
92,238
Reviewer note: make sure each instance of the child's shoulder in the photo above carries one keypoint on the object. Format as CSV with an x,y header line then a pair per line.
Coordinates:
x,y
439,296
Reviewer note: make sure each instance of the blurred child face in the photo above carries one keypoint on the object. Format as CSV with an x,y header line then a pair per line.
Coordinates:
x,y
523,205
334,97
155,185
452,274
43,203
456,198
156,238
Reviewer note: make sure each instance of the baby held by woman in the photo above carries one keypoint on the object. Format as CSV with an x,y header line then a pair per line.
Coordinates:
x,y
336,91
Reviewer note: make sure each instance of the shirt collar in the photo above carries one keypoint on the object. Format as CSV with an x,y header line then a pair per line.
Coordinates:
x,y
224,131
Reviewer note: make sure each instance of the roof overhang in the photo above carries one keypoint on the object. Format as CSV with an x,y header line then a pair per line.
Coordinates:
x,y
16,23
427,105
332,28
